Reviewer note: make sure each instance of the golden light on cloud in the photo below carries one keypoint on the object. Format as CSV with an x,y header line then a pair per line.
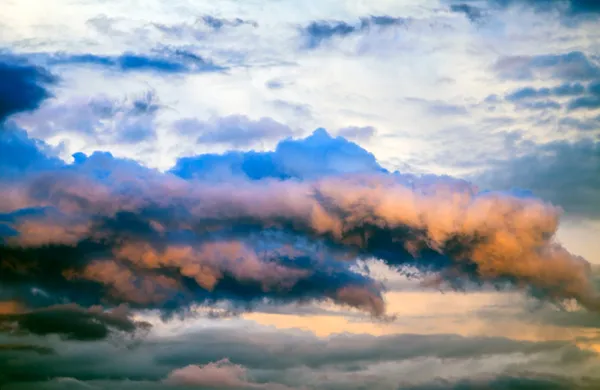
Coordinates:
x,y
10,307
465,314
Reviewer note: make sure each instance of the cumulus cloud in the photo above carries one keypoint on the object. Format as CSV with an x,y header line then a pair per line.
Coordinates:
x,y
219,375
287,228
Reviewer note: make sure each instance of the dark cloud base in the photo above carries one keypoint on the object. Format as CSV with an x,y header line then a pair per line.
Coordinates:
x,y
261,358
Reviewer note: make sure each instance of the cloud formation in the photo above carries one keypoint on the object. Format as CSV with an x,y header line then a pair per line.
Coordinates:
x,y
284,227
251,356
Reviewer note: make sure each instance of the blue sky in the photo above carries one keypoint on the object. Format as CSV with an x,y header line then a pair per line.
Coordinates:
x,y
300,195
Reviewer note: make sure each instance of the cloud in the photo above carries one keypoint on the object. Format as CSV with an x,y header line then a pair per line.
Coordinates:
x,y
572,66
526,93
162,61
510,382
317,155
259,357
286,230
20,154
566,173
101,120
437,107
540,105
587,124
570,7
572,12
71,322
218,23
234,130
474,14
219,375
318,32
364,133
23,87
584,103
201,28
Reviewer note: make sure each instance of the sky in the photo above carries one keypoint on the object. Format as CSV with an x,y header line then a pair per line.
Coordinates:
x,y
286,195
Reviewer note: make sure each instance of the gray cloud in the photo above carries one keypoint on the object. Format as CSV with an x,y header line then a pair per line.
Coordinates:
x,y
566,173
258,357
71,321
234,130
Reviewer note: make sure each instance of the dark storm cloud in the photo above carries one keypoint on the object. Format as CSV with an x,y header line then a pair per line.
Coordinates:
x,y
71,322
318,32
511,382
268,356
23,87
566,173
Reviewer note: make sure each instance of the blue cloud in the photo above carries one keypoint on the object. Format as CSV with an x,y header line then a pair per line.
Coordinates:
x,y
585,103
589,124
23,87
474,14
541,105
571,11
318,32
219,23
317,155
20,154
159,61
